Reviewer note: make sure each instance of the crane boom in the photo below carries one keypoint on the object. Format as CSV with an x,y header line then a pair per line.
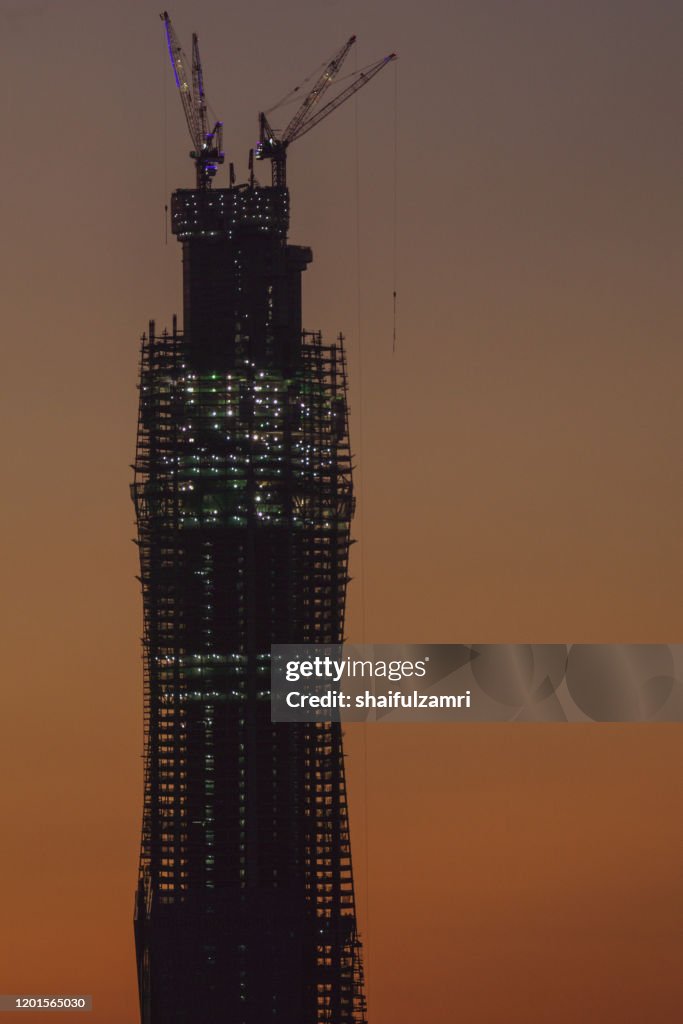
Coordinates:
x,y
321,86
182,78
363,78
207,145
198,90
308,115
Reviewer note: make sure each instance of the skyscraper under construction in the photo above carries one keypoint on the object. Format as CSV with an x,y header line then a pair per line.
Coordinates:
x,y
245,906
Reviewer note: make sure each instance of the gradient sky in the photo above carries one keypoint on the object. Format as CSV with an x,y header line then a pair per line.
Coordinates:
x,y
519,474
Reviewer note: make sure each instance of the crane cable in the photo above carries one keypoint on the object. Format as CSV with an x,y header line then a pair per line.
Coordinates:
x,y
293,97
164,77
395,207
363,545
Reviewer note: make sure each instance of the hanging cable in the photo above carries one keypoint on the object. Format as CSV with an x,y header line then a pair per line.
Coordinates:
x,y
366,760
360,364
165,153
395,210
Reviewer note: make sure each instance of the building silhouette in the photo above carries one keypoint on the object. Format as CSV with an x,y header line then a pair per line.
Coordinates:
x,y
245,904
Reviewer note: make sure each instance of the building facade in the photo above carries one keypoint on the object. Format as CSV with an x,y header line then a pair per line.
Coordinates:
x,y
245,906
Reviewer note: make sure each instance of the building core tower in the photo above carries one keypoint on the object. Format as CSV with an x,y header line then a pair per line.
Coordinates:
x,y
245,907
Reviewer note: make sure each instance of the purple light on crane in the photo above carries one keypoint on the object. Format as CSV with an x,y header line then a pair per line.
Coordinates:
x,y
166,21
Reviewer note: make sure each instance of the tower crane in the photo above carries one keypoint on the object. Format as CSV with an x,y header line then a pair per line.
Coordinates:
x,y
274,147
207,153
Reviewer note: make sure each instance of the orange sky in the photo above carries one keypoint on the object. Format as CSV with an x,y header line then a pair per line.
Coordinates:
x,y
520,454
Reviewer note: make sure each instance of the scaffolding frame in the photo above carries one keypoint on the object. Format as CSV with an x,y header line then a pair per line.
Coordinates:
x,y
243,497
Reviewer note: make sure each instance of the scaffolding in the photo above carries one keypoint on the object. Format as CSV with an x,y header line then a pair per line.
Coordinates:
x,y
243,498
